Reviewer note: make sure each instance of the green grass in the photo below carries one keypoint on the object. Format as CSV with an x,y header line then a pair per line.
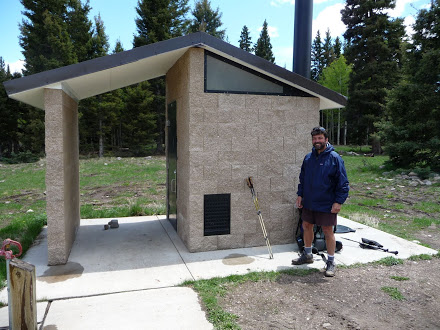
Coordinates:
x,y
388,261
393,292
429,207
22,188
421,257
399,278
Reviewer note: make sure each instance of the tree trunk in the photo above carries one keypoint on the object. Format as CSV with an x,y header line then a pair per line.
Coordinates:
x,y
339,126
101,140
345,133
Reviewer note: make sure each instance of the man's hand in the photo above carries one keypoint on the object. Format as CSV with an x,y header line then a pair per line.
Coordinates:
x,y
299,202
336,207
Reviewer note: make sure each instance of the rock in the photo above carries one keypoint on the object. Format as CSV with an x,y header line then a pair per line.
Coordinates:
x,y
105,164
148,157
382,166
7,202
393,189
412,174
29,211
427,183
413,183
119,158
326,325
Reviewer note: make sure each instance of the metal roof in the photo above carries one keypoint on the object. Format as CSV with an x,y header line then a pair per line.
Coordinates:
x,y
104,74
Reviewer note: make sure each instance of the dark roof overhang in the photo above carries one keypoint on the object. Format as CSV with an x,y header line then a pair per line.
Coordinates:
x,y
104,74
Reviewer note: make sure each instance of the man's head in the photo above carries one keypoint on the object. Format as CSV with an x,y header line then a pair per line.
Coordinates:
x,y
319,138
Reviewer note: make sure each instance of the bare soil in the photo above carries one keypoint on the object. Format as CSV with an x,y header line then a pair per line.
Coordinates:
x,y
353,299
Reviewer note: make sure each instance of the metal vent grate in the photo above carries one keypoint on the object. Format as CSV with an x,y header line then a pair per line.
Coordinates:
x,y
217,214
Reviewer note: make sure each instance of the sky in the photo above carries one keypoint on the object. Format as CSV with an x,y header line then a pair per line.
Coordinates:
x,y
119,20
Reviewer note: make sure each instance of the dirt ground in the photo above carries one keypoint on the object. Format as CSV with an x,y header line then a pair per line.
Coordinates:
x,y
353,299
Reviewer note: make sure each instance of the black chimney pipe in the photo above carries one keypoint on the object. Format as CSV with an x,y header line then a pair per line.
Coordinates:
x,y
302,39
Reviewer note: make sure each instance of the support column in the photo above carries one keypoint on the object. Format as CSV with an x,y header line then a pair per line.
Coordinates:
x,y
62,174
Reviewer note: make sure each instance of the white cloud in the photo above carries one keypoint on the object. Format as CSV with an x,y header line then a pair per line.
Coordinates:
x,y
283,56
329,18
272,30
278,3
409,22
16,66
400,8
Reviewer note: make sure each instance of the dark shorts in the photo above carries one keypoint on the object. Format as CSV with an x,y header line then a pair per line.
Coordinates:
x,y
319,218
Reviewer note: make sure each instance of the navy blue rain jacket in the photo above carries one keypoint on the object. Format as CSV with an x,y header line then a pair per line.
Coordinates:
x,y
323,180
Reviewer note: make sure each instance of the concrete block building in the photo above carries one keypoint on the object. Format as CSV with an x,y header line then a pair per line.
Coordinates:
x,y
230,115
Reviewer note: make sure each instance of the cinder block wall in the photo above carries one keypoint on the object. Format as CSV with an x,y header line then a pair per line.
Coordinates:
x,y
62,174
223,139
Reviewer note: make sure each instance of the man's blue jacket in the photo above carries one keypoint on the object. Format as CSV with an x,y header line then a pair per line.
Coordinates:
x,y
323,180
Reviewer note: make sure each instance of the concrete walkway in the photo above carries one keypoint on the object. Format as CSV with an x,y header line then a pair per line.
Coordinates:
x,y
128,277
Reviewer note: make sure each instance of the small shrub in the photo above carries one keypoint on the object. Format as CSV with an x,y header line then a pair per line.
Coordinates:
x,y
389,261
21,157
399,278
420,257
394,293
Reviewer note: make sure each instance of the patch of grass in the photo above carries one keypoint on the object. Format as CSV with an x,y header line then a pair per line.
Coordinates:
x,y
425,222
420,257
23,229
388,261
358,149
393,292
428,207
399,278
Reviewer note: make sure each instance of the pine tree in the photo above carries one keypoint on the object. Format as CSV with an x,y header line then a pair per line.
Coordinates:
x,y
373,48
412,127
45,37
100,45
158,20
327,49
206,19
337,47
263,47
317,57
245,41
118,47
80,29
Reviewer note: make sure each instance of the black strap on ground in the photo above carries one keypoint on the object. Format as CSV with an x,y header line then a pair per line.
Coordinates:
x,y
373,246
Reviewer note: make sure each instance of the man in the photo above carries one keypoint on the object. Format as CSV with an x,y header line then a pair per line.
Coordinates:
x,y
322,189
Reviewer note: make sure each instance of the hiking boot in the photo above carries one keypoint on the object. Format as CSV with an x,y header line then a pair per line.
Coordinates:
x,y
303,259
330,269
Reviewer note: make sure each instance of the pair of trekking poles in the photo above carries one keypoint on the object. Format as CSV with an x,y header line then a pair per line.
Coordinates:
x,y
260,217
365,244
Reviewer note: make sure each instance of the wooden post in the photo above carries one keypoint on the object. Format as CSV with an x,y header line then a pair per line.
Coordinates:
x,y
22,295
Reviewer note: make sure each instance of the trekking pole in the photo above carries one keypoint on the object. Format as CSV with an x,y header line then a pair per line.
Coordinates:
x,y
260,217
369,244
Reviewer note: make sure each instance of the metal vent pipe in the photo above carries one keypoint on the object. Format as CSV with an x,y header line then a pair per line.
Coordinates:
x,y
302,37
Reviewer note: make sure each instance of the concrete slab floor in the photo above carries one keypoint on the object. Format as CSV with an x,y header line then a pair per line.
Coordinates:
x,y
145,254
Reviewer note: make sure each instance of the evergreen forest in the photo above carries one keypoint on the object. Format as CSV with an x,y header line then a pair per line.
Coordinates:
x,y
391,79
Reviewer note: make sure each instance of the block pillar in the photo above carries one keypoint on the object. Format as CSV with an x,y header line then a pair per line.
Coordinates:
x,y
62,174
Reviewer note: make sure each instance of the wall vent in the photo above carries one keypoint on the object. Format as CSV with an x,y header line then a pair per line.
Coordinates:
x,y
217,214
